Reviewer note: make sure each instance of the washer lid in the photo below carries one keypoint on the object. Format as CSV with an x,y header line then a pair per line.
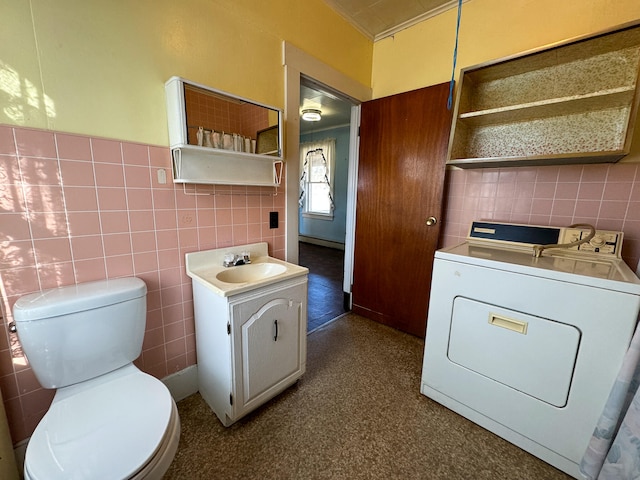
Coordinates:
x,y
109,430
612,275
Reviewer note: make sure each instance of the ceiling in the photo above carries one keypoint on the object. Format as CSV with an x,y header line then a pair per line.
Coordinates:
x,y
376,19
335,111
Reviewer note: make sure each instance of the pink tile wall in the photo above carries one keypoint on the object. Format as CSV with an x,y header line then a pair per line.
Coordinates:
x,y
75,209
604,195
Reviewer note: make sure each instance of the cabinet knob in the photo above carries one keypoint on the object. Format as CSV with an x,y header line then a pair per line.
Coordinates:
x,y
431,221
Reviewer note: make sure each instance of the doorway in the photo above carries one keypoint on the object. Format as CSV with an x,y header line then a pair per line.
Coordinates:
x,y
322,221
298,66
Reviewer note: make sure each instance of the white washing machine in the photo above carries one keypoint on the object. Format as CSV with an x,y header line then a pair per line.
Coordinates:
x,y
528,347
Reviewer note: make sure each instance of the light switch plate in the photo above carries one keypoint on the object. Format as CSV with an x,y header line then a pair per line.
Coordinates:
x,y
273,219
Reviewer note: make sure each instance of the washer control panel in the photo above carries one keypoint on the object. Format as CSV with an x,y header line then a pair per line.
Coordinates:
x,y
605,243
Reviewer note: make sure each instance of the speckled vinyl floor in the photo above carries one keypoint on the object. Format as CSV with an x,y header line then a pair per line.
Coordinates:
x,y
357,413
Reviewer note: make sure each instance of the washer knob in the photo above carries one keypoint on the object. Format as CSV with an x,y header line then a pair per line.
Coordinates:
x,y
598,241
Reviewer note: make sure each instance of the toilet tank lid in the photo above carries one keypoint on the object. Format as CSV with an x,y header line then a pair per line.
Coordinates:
x,y
77,298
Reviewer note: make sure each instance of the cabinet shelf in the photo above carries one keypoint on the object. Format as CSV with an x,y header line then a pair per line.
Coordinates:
x,y
193,164
571,103
616,97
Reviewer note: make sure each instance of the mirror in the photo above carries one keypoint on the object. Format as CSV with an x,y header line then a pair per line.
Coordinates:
x,y
219,138
221,121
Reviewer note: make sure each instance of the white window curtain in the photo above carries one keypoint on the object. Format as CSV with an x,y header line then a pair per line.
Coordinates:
x,y
317,160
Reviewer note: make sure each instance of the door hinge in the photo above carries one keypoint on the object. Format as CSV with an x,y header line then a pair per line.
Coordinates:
x,y
231,399
228,328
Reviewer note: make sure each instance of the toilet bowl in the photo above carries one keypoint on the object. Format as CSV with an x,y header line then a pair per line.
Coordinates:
x,y
108,419
121,425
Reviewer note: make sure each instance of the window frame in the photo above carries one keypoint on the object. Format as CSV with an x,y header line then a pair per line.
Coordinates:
x,y
328,150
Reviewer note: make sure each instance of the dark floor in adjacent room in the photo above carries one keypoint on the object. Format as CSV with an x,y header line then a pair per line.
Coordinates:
x,y
357,413
326,270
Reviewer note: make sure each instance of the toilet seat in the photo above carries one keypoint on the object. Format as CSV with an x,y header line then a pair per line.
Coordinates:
x,y
118,425
159,464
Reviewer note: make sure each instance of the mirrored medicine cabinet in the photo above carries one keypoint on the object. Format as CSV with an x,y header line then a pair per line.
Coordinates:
x,y
219,138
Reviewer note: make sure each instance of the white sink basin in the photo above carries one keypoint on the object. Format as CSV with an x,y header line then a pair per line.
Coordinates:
x,y
250,273
206,267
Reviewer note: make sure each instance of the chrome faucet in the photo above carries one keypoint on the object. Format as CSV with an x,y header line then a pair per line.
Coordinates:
x,y
234,260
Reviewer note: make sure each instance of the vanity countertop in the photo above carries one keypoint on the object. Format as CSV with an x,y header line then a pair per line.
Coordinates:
x,y
207,268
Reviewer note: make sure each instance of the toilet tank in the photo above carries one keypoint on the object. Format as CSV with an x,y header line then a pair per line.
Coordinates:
x,y
75,333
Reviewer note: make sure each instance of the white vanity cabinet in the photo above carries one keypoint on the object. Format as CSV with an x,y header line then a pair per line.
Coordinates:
x,y
250,346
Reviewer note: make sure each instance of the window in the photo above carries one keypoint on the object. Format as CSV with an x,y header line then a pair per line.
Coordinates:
x,y
316,180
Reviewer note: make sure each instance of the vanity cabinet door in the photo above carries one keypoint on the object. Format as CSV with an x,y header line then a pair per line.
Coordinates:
x,y
269,338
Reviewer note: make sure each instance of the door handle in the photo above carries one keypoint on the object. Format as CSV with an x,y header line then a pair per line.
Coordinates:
x,y
509,323
431,221
275,337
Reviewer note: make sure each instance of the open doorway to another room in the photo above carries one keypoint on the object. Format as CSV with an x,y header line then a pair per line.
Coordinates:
x,y
324,167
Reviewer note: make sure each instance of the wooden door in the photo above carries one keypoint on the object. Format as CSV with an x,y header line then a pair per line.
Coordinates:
x,y
403,146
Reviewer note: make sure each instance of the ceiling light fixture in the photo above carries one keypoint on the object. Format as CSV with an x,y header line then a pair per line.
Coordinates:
x,y
311,115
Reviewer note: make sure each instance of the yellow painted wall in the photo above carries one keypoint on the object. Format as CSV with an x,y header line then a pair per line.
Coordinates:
x,y
99,67
490,29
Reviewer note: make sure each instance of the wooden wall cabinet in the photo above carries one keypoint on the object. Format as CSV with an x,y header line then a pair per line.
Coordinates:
x,y
575,102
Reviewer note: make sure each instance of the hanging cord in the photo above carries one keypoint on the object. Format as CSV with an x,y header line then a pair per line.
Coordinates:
x,y
455,58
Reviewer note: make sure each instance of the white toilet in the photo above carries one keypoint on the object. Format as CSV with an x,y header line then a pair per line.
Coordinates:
x,y
108,420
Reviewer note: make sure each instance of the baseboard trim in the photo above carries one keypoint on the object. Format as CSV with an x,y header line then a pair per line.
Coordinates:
x,y
321,242
20,451
346,300
183,383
